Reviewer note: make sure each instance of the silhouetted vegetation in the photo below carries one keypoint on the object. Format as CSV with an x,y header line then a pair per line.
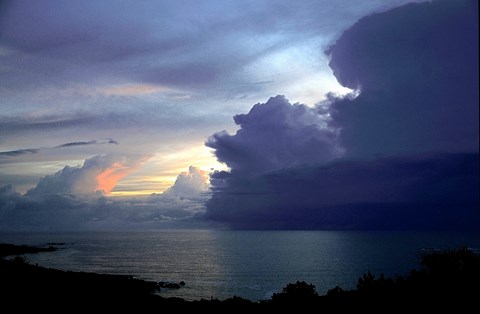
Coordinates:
x,y
296,293
445,280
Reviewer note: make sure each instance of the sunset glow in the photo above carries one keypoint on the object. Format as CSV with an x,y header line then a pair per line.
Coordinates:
x,y
252,114
215,151
108,179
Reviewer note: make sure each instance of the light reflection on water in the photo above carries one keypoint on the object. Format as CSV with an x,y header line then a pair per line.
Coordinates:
x,y
250,264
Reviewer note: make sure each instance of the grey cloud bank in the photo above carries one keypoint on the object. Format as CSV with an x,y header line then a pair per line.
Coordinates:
x,y
67,200
424,192
410,138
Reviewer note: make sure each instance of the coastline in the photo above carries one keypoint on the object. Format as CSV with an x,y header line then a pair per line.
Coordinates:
x,y
446,278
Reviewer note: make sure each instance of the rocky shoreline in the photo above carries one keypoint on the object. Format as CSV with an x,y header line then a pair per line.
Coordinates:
x,y
445,279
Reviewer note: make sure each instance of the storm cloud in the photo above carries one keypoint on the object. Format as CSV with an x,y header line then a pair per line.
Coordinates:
x,y
406,140
415,67
414,192
276,135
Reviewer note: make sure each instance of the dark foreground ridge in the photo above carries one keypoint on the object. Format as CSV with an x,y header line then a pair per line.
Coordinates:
x,y
11,249
448,279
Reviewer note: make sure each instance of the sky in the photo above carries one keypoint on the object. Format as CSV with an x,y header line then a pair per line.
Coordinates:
x,y
253,114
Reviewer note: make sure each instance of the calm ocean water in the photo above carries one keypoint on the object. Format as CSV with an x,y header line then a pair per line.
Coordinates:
x,y
250,264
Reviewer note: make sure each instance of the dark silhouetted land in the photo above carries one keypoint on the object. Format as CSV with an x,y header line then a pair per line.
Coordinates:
x,y
448,279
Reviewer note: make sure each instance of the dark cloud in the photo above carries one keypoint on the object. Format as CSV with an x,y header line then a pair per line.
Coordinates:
x,y
276,135
439,191
29,151
416,67
77,144
19,152
112,141
19,212
67,212
410,135
92,142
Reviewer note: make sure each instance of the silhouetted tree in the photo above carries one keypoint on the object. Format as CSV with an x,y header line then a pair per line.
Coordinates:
x,y
296,292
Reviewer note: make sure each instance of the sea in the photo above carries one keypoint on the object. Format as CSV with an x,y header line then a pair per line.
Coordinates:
x,y
250,264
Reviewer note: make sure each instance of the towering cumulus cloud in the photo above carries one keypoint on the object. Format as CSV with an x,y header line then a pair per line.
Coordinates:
x,y
191,183
417,69
99,173
74,198
276,135
406,146
69,199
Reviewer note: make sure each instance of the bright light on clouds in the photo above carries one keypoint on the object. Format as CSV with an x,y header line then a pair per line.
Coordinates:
x,y
161,170
159,78
298,72
109,178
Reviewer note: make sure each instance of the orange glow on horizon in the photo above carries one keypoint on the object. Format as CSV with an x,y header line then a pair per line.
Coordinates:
x,y
158,175
108,178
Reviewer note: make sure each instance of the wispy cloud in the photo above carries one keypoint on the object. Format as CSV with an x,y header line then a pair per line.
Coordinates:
x,y
19,152
136,89
71,144
111,141
143,48
29,151
92,142
14,124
